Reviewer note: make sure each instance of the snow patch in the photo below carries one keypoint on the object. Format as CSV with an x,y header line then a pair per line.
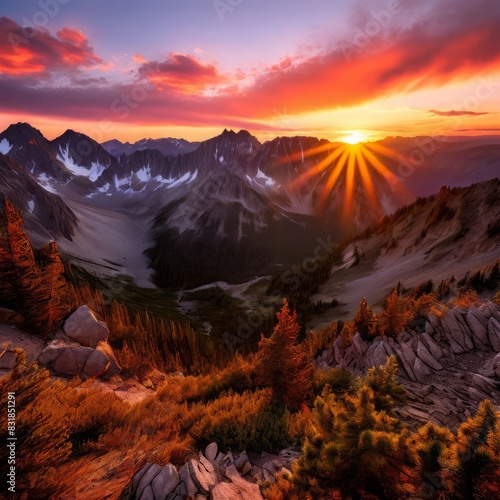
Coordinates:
x,y
93,173
263,176
144,174
31,205
5,147
44,181
221,159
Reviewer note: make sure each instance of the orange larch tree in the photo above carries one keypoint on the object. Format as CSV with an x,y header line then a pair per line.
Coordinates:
x,y
282,364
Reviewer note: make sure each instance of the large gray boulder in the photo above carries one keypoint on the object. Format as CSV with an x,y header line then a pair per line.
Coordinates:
x,y
165,482
72,359
84,327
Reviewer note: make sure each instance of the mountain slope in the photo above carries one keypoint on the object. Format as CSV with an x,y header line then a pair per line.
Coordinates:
x,y
437,238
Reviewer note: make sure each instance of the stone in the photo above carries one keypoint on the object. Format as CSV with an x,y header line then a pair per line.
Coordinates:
x,y
457,332
113,367
211,452
421,370
147,493
491,368
203,474
165,482
247,490
403,363
187,480
97,363
359,346
241,460
138,476
478,325
428,329
494,333
484,383
179,493
226,491
432,347
146,478
84,327
376,355
72,360
7,359
246,468
425,356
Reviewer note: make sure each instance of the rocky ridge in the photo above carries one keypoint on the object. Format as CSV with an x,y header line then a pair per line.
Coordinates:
x,y
211,475
448,369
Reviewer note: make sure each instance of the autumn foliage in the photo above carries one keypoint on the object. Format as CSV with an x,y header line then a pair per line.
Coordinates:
x,y
282,364
31,282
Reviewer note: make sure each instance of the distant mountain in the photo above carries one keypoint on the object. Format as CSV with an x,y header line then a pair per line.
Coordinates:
x,y
234,196
46,215
166,146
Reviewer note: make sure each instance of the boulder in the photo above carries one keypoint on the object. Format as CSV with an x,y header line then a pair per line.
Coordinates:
x,y
494,333
485,384
492,368
84,327
203,474
71,360
457,332
421,370
226,491
145,479
478,325
211,452
180,493
359,346
247,490
95,366
187,480
427,357
165,482
404,365
432,347
113,367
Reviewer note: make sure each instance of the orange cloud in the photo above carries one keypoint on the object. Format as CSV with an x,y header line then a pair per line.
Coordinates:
x,y
182,73
138,59
32,52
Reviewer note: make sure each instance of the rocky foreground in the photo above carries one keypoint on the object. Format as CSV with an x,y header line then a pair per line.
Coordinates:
x,y
447,370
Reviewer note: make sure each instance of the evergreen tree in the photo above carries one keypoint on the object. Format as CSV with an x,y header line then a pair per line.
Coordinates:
x,y
353,447
476,454
395,315
56,299
283,365
364,320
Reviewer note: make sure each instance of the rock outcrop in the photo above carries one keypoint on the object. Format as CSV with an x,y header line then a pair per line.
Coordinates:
x,y
84,327
212,475
82,350
448,369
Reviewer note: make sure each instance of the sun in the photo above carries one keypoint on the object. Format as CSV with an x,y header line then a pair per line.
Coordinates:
x,y
355,137
354,162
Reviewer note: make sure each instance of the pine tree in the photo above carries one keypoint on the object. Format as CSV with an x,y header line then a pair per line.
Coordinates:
x,y
475,455
395,315
364,320
55,299
352,446
283,365
18,271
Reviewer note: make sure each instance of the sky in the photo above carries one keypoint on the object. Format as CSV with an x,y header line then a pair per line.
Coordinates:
x,y
129,69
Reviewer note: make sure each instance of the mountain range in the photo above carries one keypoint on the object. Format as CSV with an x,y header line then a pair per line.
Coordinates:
x,y
230,208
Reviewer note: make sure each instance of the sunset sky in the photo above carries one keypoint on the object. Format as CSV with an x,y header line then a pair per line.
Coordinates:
x,y
190,68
